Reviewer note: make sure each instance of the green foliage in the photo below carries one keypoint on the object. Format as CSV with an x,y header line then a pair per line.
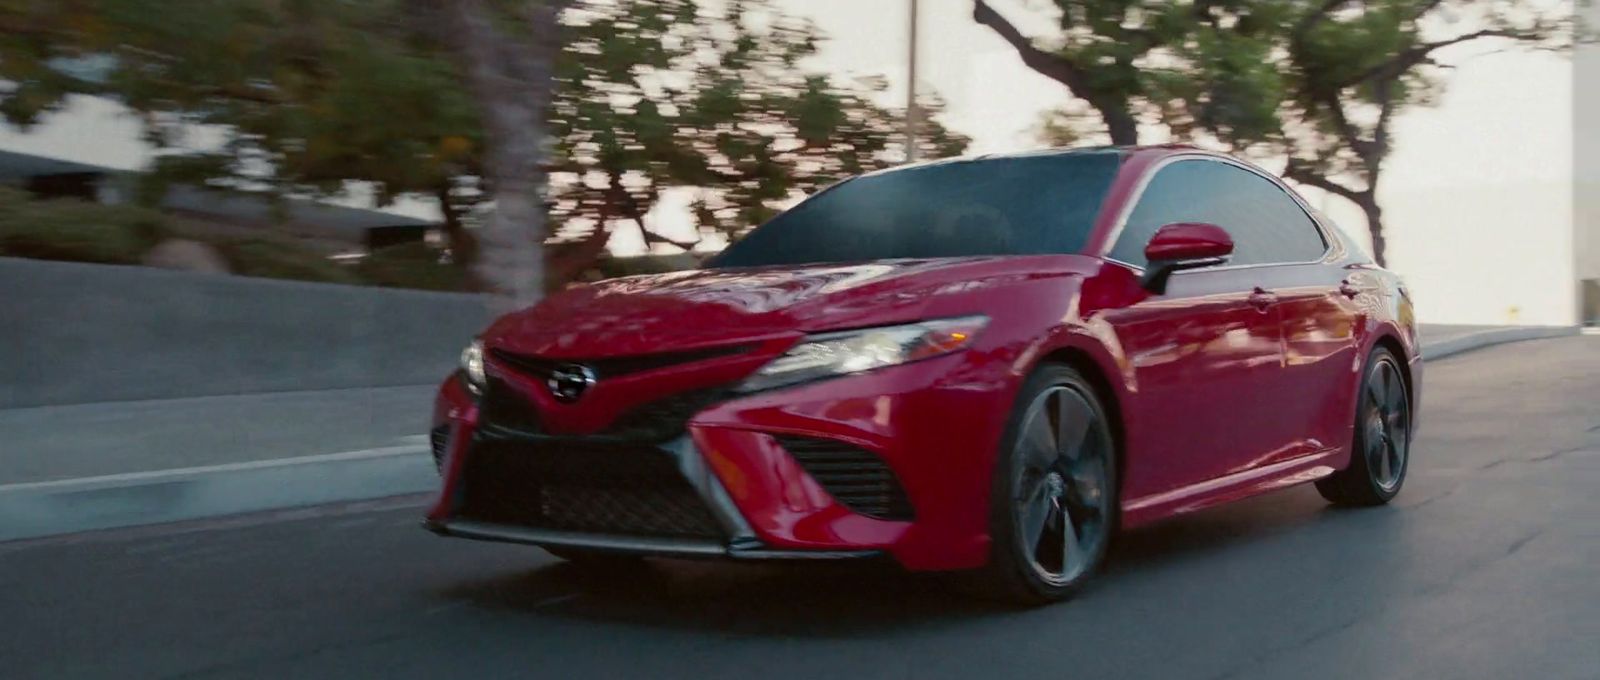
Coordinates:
x,y
720,104
651,95
1267,74
412,265
75,230
612,267
1318,83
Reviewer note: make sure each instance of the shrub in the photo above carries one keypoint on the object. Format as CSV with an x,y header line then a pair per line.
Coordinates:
x,y
275,258
646,264
75,230
412,265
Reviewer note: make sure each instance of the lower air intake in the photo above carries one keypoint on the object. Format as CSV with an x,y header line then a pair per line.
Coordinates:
x,y
856,478
439,438
612,490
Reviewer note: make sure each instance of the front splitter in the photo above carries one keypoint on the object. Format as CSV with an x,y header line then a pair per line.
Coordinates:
x,y
635,545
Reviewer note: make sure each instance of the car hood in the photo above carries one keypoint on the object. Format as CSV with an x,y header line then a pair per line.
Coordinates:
x,y
683,310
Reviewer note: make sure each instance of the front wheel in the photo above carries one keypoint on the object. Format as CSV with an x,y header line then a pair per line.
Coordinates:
x,y
1381,450
1054,498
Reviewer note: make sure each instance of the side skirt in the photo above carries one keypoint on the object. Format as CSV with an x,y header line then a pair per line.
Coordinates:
x,y
1239,485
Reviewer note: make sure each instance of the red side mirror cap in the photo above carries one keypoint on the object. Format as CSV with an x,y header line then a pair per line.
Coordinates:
x,y
1187,241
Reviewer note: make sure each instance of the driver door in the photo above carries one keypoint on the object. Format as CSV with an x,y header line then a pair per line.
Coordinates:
x,y
1206,355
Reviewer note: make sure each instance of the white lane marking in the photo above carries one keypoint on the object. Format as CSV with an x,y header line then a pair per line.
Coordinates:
x,y
179,473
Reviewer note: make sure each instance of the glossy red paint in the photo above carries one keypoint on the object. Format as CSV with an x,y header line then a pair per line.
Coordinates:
x,y
1231,382
1188,241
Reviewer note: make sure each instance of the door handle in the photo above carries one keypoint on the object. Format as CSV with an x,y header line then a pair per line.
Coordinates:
x,y
1348,290
1261,299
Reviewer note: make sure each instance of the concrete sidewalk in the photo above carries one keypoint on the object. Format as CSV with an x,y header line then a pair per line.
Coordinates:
x,y
66,469
90,440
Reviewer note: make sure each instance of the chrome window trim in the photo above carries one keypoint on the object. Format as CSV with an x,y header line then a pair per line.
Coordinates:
x,y
1144,183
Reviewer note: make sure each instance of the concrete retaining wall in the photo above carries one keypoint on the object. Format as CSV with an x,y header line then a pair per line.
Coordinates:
x,y
79,333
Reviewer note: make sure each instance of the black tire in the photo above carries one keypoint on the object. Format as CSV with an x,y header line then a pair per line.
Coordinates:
x,y
1019,571
1380,453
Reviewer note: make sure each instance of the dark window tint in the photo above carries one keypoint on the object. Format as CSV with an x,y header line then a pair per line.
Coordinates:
x,y
1265,223
1000,206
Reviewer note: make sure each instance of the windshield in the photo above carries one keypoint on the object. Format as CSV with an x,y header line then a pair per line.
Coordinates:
x,y
1000,206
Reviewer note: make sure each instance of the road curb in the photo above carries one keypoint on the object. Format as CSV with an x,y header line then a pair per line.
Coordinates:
x,y
39,509
1488,338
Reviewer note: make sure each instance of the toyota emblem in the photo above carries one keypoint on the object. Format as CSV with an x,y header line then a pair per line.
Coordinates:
x,y
568,382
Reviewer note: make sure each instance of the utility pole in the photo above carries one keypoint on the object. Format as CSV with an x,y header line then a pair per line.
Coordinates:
x,y
913,116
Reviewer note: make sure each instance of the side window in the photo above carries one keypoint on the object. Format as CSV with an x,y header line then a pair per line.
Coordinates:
x,y
1265,223
1168,198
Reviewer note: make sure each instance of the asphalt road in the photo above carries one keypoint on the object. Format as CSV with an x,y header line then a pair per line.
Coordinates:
x,y
1487,566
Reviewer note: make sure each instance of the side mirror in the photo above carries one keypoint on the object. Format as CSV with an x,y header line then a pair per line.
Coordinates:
x,y
1185,245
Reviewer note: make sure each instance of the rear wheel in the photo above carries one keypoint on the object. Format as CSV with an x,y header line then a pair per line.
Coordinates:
x,y
1381,450
1055,491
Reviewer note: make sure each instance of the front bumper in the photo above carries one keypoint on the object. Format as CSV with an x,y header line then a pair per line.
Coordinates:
x,y
734,538
935,435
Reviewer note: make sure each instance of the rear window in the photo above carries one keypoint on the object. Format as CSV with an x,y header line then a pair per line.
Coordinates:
x,y
999,206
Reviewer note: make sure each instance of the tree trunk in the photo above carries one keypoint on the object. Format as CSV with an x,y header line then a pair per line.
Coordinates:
x,y
511,76
463,244
1121,125
571,260
1114,109
1369,205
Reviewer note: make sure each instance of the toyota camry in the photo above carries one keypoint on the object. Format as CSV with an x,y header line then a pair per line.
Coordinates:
x,y
985,364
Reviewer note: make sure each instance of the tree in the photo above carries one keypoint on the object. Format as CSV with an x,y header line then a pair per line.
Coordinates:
x,y
1355,68
305,97
511,74
1315,85
733,116
420,97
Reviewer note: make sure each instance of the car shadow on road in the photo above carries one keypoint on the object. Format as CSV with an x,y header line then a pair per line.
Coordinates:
x,y
800,599
842,600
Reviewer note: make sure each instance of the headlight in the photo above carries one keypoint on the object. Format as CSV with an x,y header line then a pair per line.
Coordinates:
x,y
835,354
472,367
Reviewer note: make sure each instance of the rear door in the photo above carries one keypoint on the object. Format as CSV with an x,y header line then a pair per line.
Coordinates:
x,y
1206,355
1321,315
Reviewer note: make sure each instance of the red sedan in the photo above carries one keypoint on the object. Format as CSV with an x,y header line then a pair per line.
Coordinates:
x,y
986,364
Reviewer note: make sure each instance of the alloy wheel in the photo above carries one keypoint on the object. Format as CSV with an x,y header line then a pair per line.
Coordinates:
x,y
1062,491
1387,423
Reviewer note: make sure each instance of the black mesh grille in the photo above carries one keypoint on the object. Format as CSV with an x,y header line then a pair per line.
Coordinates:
x,y
505,411
856,478
439,438
664,418
611,367
617,490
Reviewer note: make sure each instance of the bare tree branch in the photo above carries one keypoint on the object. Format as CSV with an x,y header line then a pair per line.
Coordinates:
x,y
1298,172
1050,65
1406,59
1114,110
